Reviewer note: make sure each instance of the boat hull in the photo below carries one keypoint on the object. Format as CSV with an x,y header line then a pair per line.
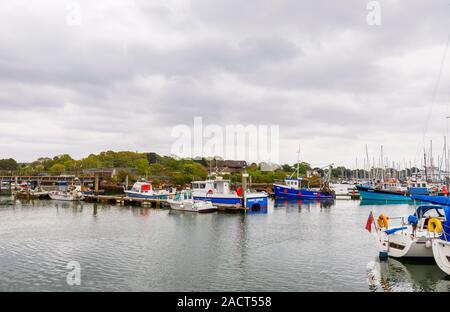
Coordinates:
x,y
62,197
253,202
192,206
441,253
367,193
282,191
146,196
402,245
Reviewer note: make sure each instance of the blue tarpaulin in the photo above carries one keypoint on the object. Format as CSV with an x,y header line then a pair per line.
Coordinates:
x,y
392,231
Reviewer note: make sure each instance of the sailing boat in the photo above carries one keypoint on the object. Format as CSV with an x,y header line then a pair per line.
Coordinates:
x,y
292,187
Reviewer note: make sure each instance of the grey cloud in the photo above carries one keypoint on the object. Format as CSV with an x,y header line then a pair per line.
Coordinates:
x,y
129,73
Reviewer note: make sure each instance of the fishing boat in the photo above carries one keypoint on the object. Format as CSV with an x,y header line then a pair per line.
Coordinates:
x,y
386,191
292,187
144,189
68,193
219,193
413,236
183,201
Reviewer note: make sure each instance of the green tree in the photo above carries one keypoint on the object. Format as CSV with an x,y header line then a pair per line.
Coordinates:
x,y
8,164
57,169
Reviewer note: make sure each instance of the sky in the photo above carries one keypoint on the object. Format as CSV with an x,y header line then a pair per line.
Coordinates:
x,y
81,77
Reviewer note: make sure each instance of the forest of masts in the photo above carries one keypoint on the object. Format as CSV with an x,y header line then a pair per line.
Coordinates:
x,y
426,167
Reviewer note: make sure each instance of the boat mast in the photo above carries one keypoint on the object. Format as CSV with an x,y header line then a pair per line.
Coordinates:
x,y
368,164
382,165
431,160
425,165
298,162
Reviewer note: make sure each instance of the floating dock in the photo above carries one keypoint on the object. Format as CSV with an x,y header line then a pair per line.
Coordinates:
x,y
123,200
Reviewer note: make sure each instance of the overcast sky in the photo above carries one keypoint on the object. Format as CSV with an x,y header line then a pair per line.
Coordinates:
x,y
127,72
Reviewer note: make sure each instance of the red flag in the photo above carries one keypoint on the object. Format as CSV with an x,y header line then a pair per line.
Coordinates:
x,y
369,222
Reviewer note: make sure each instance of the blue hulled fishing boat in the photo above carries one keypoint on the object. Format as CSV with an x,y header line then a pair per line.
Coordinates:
x,y
368,192
291,189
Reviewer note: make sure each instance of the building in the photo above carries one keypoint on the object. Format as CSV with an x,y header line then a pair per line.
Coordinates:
x,y
108,173
231,166
269,167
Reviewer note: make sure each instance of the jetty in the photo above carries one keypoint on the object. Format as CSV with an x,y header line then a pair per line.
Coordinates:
x,y
123,200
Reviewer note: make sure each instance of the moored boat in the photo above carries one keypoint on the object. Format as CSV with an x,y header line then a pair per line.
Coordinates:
x,y
441,244
26,192
441,253
218,192
144,189
413,236
368,192
292,189
183,201
67,193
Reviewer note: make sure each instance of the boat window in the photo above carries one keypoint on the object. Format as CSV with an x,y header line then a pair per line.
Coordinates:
x,y
202,185
433,213
424,185
195,185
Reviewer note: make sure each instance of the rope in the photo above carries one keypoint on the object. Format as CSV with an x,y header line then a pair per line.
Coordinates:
x,y
433,99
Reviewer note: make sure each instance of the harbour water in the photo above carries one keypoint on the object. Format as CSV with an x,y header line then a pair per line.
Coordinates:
x,y
295,246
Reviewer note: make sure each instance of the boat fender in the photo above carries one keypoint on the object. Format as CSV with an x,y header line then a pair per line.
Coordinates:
x,y
435,226
413,220
428,244
383,221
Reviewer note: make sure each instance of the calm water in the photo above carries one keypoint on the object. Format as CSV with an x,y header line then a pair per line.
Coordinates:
x,y
294,247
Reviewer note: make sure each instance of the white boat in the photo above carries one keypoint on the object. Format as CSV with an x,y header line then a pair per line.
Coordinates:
x,y
24,191
144,189
4,186
412,238
68,193
441,253
66,196
183,201
441,246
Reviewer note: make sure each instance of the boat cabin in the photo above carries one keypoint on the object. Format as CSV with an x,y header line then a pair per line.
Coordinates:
x,y
218,186
293,183
142,187
432,211
418,187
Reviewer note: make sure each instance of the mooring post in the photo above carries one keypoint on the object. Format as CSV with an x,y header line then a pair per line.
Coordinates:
x,y
96,184
244,188
126,183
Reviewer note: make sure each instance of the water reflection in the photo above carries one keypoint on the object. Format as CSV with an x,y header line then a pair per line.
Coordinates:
x,y
406,275
298,246
294,204
376,202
